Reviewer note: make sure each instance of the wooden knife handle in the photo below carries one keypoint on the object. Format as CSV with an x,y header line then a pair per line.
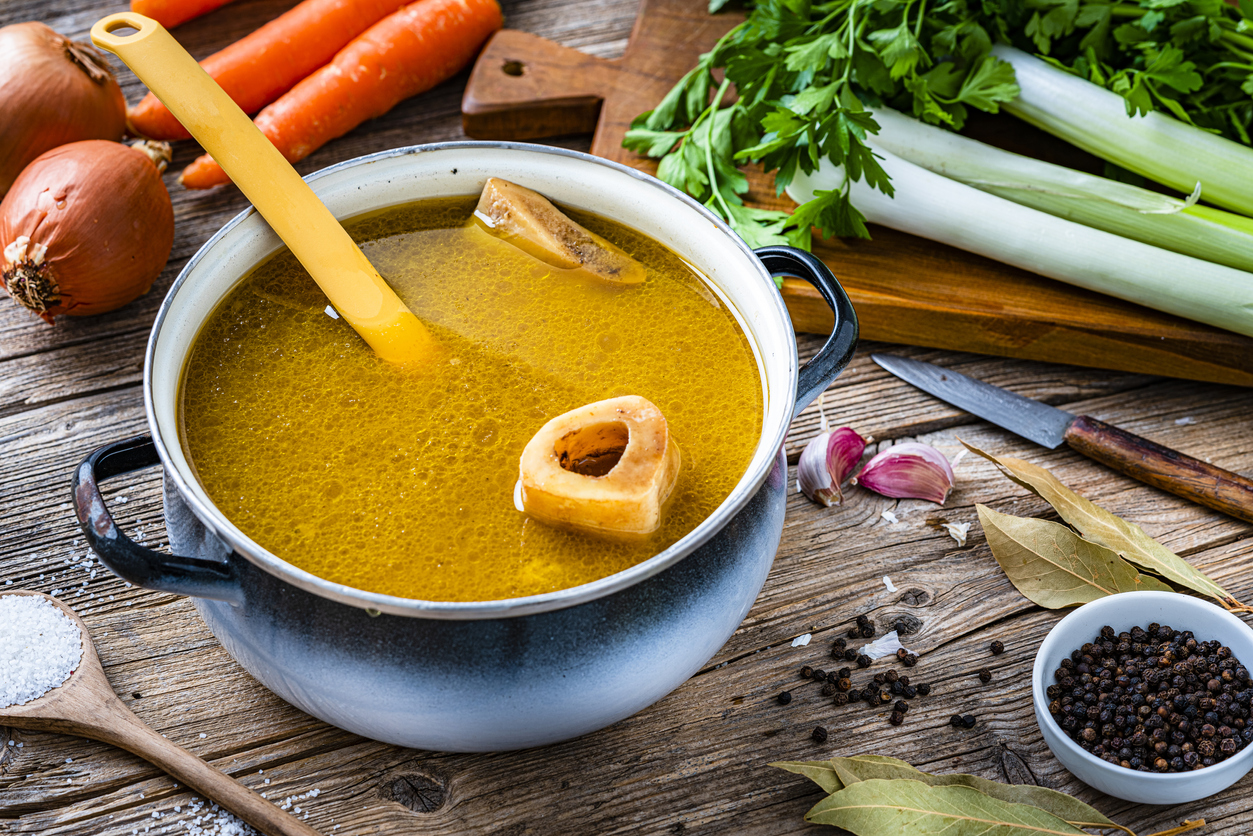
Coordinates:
x,y
1163,467
525,87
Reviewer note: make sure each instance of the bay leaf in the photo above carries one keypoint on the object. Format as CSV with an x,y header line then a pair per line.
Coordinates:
x,y
870,767
821,773
1053,566
1108,529
911,808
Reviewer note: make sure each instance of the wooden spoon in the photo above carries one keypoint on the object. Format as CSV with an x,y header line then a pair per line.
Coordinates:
x,y
286,202
85,706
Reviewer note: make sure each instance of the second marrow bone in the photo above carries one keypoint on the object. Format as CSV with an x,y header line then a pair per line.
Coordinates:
x,y
528,220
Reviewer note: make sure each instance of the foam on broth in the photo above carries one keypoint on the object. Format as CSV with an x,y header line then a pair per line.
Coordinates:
x,y
401,482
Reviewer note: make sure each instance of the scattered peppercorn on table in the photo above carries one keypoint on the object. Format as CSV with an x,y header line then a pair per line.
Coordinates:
x,y
697,761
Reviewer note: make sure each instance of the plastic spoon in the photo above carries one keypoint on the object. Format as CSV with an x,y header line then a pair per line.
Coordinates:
x,y
85,706
306,226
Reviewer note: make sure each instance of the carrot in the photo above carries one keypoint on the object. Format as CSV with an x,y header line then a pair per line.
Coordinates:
x,y
402,55
259,68
170,13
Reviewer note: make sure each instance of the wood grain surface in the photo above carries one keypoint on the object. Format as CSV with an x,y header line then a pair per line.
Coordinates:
x,y
906,289
697,761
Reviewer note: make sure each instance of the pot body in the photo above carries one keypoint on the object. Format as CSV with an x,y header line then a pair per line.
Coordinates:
x,y
493,675
495,683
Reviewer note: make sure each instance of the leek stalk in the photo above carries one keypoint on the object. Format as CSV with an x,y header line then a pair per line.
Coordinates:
x,y
1155,145
933,206
1210,234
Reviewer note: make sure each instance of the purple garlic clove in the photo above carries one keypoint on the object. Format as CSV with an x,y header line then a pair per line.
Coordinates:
x,y
826,462
913,470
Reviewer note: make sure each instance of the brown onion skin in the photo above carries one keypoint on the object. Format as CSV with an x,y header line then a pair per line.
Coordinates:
x,y
48,98
105,216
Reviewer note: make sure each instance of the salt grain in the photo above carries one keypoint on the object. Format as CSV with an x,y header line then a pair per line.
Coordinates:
x,y
801,641
39,648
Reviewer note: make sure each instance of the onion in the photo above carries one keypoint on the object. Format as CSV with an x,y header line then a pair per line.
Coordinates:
x,y
52,91
86,227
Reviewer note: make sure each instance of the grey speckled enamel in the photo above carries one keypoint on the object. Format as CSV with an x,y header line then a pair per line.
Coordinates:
x,y
476,676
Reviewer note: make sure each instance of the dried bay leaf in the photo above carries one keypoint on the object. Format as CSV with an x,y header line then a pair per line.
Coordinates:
x,y
1108,529
911,808
1053,566
869,767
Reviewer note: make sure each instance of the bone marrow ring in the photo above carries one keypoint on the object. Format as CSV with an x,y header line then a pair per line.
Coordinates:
x,y
606,468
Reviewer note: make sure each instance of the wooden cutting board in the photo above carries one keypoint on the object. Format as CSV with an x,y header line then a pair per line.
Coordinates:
x,y
905,289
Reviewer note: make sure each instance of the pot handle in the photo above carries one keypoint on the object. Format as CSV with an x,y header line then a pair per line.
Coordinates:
x,y
825,366
127,559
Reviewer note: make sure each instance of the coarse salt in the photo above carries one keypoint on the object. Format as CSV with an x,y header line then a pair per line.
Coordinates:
x,y
801,641
39,648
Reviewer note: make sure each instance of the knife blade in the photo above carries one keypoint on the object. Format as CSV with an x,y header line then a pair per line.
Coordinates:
x,y
1051,427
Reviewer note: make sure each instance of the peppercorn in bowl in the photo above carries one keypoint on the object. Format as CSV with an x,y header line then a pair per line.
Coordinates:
x,y
1147,696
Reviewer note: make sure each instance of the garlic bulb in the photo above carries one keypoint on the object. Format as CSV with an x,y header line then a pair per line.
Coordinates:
x,y
826,462
917,471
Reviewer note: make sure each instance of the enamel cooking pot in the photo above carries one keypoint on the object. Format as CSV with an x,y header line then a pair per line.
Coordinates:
x,y
491,675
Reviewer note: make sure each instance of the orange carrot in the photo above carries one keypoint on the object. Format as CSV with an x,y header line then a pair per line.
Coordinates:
x,y
259,68
402,55
170,13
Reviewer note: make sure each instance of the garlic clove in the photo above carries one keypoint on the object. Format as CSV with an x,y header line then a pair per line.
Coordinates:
x,y
825,462
913,470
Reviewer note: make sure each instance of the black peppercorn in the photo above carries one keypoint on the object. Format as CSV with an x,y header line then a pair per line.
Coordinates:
x,y
838,645
819,734
985,675
879,678
910,660
843,673
841,698
904,680
901,653
807,672
901,628
956,721
997,648
968,720
892,676
784,698
863,661
854,632
828,689
897,718
1153,699
850,655
901,706
909,692
924,689
867,631
863,620
843,683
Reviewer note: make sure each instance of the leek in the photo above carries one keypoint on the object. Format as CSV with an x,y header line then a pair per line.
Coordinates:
x,y
935,207
1155,145
1211,234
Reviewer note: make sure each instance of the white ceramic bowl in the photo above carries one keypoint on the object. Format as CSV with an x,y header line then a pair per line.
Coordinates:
x,y
1122,612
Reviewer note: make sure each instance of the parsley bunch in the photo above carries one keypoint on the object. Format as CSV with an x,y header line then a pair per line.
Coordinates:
x,y
802,73
1191,58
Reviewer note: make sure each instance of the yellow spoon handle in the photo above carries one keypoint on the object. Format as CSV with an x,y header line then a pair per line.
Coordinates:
x,y
304,223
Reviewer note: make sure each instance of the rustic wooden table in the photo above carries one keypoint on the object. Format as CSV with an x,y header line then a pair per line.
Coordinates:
x,y
696,762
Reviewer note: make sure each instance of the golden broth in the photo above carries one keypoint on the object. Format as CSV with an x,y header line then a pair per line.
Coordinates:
x,y
401,482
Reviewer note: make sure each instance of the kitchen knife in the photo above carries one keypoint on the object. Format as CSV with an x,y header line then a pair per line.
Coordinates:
x,y
1137,457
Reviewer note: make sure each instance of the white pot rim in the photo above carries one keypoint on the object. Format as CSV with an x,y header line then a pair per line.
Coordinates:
x,y
777,419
